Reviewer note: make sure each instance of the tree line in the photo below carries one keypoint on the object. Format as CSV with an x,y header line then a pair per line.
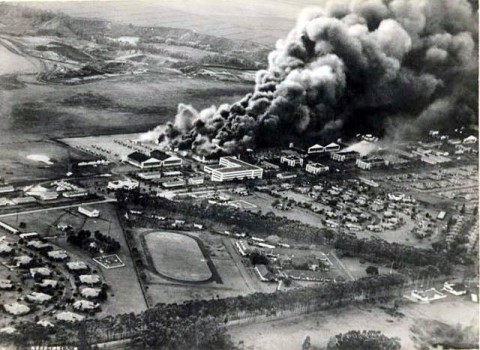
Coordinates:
x,y
200,324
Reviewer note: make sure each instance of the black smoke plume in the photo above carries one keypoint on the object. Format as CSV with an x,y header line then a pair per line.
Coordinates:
x,y
382,66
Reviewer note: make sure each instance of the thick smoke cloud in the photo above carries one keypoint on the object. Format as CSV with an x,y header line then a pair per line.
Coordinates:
x,y
348,67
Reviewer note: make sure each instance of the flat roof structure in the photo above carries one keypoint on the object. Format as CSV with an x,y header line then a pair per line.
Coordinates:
x,y
89,279
77,266
37,297
231,168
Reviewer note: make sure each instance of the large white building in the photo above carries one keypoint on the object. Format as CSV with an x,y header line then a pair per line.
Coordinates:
x,y
231,168
316,168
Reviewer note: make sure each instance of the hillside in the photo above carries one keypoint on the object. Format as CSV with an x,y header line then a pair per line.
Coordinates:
x,y
20,20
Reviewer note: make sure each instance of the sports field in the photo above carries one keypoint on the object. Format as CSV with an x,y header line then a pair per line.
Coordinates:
x,y
177,256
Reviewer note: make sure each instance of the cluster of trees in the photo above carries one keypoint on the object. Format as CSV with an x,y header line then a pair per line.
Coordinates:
x,y
80,238
192,332
378,250
109,244
371,270
363,340
257,258
251,222
433,334
199,324
16,12
83,239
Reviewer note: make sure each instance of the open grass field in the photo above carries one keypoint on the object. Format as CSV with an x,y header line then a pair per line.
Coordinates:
x,y
16,167
291,333
12,63
177,256
124,104
35,114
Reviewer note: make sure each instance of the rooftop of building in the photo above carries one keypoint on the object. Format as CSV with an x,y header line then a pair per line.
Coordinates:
x,y
160,155
238,165
138,157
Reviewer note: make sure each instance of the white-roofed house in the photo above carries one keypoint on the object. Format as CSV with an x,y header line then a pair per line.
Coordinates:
x,y
40,271
48,284
38,298
45,323
90,279
85,305
69,316
16,309
90,293
22,260
58,255
77,266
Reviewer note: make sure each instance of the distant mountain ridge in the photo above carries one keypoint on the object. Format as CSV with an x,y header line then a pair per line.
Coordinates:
x,y
20,20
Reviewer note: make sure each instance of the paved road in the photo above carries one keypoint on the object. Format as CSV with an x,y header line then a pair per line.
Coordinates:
x,y
332,253
31,211
228,243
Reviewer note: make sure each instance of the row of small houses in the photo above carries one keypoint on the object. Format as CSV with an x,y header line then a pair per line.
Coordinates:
x,y
90,284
